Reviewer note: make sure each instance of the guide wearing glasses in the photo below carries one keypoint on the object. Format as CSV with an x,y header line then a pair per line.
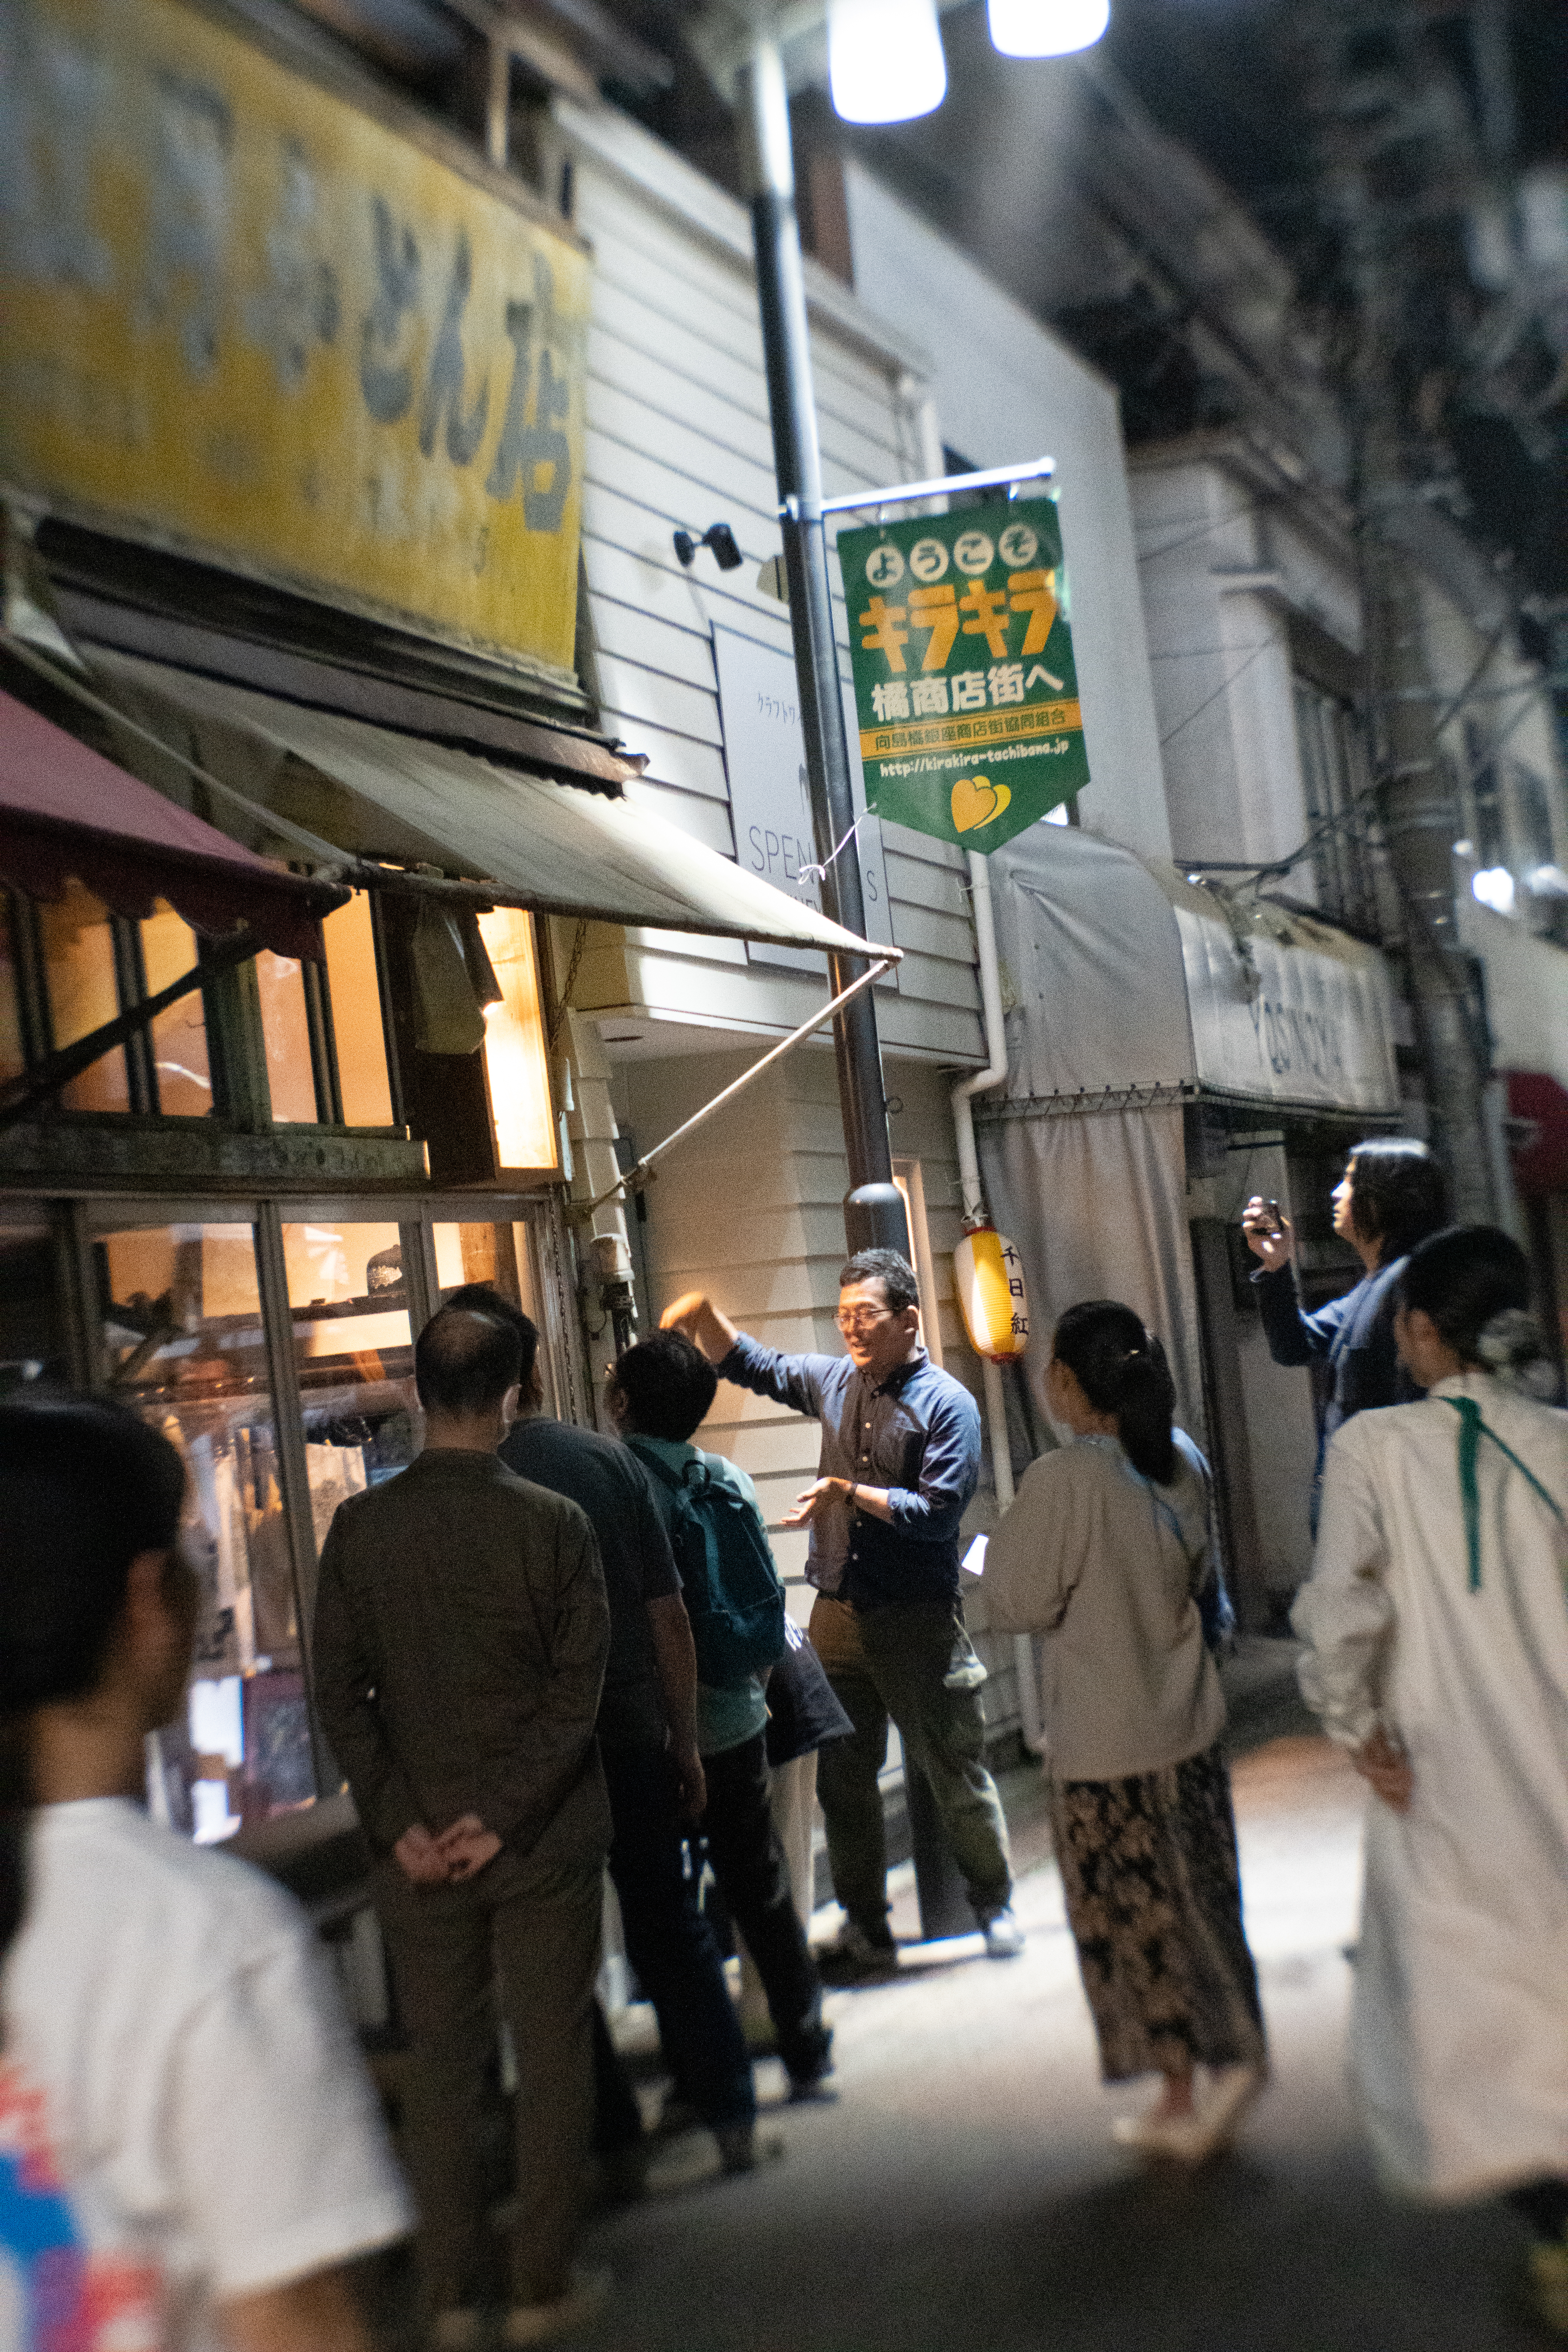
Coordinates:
x,y
899,1461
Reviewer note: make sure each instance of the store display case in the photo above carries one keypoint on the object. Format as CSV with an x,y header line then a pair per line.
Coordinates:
x,y
275,1350
182,1339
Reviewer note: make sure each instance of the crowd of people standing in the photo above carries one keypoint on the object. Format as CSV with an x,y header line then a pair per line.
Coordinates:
x,y
540,1654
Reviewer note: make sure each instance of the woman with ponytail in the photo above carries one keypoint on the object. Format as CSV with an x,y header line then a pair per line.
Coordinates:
x,y
1436,1631
1108,1552
189,2150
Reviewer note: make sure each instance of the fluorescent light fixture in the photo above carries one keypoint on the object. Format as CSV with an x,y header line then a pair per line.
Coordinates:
x,y
1047,28
885,62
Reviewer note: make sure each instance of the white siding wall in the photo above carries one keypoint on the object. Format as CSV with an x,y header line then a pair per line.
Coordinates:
x,y
678,435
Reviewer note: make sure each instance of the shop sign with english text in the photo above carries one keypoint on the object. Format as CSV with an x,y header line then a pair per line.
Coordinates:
x,y
967,695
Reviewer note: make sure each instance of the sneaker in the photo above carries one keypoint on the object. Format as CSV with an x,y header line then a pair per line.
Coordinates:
x,y
1549,2285
1004,1936
545,2323
741,2148
1183,2138
854,1957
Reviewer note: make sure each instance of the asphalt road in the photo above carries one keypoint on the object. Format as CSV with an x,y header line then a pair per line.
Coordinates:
x,y
961,2194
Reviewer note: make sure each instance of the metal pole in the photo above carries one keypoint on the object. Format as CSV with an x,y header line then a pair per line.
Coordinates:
x,y
632,1179
873,1210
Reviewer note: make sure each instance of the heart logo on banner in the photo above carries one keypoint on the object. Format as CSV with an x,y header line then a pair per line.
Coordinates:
x,y
976,800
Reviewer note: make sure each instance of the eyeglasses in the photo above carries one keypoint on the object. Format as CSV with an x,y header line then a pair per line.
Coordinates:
x,y
861,1318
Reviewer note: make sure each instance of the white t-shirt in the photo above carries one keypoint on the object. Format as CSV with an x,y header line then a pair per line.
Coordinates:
x,y
184,2117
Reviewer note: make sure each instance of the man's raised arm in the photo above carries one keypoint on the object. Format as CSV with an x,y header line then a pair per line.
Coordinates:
x,y
790,1380
703,1323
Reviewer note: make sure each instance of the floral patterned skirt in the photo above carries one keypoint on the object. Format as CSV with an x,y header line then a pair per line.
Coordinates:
x,y
1153,1897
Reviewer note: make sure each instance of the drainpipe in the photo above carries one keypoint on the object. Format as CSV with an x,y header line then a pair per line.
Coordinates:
x,y
964,1093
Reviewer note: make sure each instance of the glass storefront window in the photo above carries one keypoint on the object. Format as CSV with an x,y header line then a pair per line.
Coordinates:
x,y
181,1324
357,1029
32,1331
286,1027
496,1254
180,1035
78,958
355,1352
517,1058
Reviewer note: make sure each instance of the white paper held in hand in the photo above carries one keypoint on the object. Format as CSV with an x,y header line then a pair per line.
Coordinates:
x,y
973,1560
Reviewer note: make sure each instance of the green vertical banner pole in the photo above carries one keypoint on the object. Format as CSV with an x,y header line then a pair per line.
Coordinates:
x,y
965,688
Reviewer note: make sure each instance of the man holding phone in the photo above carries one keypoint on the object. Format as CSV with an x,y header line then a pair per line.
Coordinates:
x,y
1390,1197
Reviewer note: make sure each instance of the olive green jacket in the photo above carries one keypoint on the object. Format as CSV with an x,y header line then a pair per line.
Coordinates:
x,y
460,1636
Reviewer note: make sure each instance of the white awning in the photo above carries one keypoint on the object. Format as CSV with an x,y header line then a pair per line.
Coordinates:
x,y
551,847
1131,979
1284,1009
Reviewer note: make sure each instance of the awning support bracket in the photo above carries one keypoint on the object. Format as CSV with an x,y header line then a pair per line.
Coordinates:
x,y
642,1171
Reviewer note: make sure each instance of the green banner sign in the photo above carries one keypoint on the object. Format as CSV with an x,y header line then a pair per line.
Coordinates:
x,y
965,692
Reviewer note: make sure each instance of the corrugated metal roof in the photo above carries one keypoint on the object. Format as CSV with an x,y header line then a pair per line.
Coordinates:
x,y
543,844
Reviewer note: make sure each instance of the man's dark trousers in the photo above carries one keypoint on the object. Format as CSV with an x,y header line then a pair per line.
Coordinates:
x,y
670,1944
753,1879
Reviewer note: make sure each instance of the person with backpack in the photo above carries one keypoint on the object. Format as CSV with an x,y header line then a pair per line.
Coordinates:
x,y
191,2153
1436,1622
658,1393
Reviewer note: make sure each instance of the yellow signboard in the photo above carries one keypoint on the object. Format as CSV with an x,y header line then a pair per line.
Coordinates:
x,y
243,317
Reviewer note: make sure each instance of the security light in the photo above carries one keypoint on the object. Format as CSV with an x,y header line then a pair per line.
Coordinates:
x,y
885,62
720,542
1047,28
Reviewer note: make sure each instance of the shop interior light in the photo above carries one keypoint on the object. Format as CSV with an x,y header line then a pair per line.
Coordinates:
x,y
885,62
1047,28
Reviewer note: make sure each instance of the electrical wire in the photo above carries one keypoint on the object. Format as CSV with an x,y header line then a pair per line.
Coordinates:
x,y
1222,687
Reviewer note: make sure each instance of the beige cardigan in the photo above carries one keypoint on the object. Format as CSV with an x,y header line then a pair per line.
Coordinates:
x,y
1087,1557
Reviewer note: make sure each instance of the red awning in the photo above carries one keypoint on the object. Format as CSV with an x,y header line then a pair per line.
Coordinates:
x,y
1538,1119
66,811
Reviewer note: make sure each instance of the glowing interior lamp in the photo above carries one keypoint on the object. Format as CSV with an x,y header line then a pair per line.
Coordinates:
x,y
885,62
1047,28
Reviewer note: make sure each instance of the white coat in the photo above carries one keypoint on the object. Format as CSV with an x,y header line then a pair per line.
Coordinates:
x,y
1459,2020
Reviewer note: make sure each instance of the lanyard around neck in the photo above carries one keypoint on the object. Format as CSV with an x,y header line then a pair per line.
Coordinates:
x,y
1472,1429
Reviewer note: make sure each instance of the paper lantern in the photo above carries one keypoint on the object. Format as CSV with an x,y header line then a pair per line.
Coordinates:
x,y
988,1274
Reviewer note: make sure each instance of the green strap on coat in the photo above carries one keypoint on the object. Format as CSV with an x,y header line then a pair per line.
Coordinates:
x,y
1472,1429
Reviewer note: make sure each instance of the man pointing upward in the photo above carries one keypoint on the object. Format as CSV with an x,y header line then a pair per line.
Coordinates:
x,y
900,1459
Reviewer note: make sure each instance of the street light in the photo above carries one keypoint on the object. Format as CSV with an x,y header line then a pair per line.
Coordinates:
x,y
885,62
886,65
1047,28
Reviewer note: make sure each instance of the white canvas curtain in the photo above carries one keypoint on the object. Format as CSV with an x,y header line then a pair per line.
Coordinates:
x,y
1097,1204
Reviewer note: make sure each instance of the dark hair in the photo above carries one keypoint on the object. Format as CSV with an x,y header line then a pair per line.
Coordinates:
x,y
85,1487
481,1298
666,1385
1122,1369
1466,1279
465,1360
1397,1193
895,1274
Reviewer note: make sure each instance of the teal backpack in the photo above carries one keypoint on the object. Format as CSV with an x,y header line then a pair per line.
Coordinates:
x,y
733,1595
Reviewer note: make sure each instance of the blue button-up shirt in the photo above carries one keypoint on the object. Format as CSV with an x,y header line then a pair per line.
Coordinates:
x,y
918,1435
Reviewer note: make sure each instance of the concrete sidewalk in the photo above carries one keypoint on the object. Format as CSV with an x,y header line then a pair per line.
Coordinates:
x,y
962,2195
